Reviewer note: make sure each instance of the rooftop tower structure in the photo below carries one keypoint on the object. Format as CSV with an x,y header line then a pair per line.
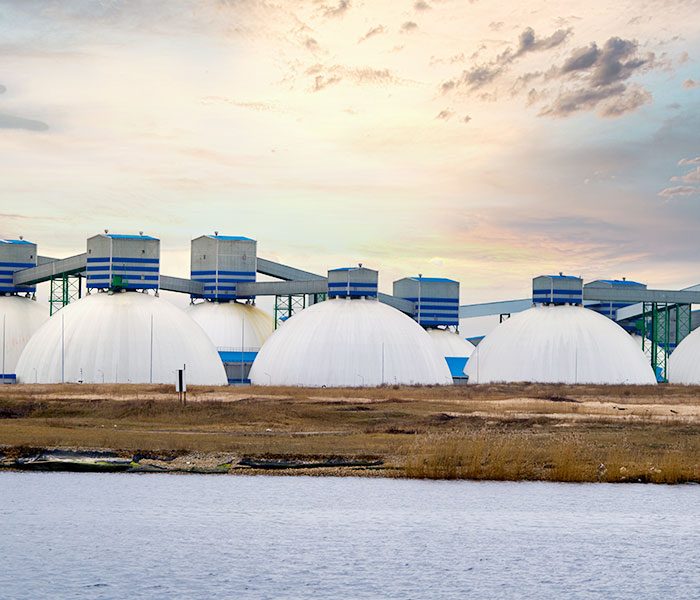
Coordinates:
x,y
237,329
436,309
352,282
14,256
220,262
118,262
557,290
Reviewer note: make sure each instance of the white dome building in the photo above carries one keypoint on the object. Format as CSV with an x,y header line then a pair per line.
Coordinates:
x,y
347,342
453,348
20,318
684,362
232,325
559,344
108,338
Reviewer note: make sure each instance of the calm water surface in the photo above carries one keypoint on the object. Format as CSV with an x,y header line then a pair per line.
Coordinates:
x,y
168,536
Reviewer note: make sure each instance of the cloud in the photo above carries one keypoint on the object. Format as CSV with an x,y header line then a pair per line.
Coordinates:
x,y
12,122
598,77
466,119
378,30
327,76
691,177
481,75
445,115
581,99
690,84
679,190
477,77
421,5
629,101
496,25
3,89
581,59
409,26
529,42
337,11
252,105
689,161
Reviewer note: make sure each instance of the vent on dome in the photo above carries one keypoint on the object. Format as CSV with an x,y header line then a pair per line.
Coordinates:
x,y
220,262
14,256
557,289
352,282
123,262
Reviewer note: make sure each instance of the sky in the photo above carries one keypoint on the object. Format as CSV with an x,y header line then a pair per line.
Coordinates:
x,y
488,142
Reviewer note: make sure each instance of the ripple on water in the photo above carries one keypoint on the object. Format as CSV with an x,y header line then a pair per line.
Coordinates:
x,y
66,535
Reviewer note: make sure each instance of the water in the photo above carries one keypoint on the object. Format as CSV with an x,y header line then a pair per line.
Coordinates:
x,y
167,536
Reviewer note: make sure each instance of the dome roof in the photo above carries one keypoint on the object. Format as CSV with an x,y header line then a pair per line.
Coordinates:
x,y
559,344
449,343
232,324
350,343
21,317
453,348
684,363
107,338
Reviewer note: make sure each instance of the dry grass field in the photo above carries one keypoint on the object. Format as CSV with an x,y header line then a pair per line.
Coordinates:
x,y
506,432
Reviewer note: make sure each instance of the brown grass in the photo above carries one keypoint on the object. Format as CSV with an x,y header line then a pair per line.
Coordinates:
x,y
554,433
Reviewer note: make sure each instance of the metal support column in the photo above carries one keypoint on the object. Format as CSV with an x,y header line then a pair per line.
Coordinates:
x,y
655,329
287,306
64,290
683,325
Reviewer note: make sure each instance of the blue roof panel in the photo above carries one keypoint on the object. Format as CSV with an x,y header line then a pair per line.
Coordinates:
x,y
435,279
119,236
231,238
15,242
621,282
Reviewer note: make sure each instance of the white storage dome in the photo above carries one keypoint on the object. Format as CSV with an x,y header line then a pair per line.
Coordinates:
x,y
453,348
107,338
352,343
20,318
684,363
232,324
559,344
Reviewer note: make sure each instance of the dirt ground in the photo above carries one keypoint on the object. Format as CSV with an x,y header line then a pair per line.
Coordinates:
x,y
517,431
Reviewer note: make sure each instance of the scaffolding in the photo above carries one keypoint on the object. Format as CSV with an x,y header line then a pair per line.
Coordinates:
x,y
289,305
662,327
65,289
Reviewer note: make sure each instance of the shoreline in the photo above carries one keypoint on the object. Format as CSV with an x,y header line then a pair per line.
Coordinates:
x,y
515,432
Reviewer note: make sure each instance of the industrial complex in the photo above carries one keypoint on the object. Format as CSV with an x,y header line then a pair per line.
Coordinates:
x,y
106,323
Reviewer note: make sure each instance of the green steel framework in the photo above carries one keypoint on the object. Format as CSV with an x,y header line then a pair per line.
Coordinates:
x,y
662,327
65,289
287,306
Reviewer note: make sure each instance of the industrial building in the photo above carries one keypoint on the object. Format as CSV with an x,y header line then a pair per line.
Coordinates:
x,y
120,333
350,340
236,327
345,331
20,314
436,308
559,341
